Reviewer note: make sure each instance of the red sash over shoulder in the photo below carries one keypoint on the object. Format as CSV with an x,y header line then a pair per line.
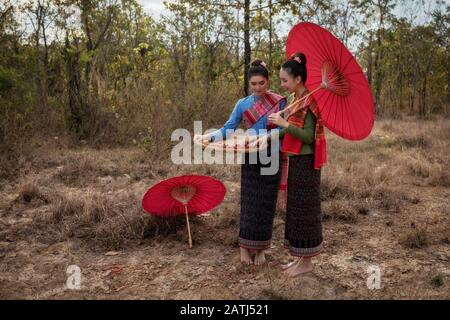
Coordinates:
x,y
268,104
297,118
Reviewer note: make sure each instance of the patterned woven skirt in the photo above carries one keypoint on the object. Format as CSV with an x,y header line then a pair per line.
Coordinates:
x,y
258,203
303,230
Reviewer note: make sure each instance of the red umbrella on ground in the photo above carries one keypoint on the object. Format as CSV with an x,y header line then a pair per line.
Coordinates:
x,y
184,195
336,81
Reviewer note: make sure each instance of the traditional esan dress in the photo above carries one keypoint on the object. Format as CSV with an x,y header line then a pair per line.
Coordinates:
x,y
304,143
258,192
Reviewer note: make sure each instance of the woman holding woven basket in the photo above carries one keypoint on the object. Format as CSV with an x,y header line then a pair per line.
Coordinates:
x,y
304,143
258,192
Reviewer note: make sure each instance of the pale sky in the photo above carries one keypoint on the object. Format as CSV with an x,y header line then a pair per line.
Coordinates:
x,y
154,7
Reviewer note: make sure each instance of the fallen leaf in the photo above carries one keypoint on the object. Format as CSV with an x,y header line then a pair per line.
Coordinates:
x,y
112,253
113,270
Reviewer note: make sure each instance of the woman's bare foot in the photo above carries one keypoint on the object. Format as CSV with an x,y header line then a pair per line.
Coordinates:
x,y
289,265
245,256
260,257
303,265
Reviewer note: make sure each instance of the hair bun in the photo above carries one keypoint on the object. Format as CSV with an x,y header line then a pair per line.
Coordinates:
x,y
299,57
259,63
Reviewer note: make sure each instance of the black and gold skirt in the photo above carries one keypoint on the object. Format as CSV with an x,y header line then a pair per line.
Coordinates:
x,y
303,230
258,203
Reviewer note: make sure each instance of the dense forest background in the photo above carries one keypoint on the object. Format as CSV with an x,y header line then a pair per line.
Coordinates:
x,y
106,72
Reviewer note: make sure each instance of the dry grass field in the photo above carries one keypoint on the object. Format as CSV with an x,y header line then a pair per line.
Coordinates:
x,y
385,201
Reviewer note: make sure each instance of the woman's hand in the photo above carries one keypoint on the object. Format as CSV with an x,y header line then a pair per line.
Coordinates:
x,y
277,119
202,138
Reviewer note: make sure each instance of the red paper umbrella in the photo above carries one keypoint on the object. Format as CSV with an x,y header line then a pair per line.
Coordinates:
x,y
335,80
184,195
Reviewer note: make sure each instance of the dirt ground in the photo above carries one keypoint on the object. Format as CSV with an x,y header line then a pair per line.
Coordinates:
x,y
385,201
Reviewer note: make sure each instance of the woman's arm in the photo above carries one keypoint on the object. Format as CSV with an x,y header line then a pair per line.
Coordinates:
x,y
231,125
279,129
282,106
307,134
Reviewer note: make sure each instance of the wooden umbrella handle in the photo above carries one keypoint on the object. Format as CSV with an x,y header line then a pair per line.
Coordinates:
x,y
188,226
296,103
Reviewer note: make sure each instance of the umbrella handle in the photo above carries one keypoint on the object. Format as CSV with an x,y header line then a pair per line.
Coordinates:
x,y
294,104
188,226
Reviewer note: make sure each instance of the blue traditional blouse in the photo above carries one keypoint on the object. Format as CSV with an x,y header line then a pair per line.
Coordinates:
x,y
236,117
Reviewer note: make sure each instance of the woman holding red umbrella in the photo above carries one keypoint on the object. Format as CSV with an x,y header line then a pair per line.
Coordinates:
x,y
303,135
335,94
258,192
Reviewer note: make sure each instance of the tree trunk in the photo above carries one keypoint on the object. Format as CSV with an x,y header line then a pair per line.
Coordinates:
x,y
400,84
369,60
270,33
247,50
378,74
379,58
39,75
237,37
412,97
45,71
76,106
